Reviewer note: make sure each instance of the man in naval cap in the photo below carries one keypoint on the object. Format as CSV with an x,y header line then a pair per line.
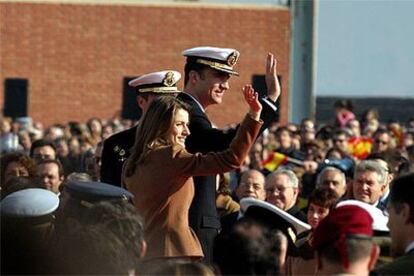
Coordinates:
x,y
116,148
27,228
207,73
78,196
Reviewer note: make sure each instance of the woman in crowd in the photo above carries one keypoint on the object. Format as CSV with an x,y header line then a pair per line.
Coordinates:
x,y
159,172
343,112
321,202
15,164
370,119
95,129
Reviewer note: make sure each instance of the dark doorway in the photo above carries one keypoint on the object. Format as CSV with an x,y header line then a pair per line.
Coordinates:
x,y
130,109
259,85
15,98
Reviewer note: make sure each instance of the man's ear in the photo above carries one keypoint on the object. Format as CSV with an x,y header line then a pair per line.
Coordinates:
x,y
375,252
390,177
405,212
296,191
143,249
140,101
383,188
193,76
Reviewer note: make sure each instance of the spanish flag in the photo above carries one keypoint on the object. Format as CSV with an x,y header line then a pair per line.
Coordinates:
x,y
360,147
274,160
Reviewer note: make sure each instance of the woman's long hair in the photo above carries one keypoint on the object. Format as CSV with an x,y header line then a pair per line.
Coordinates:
x,y
153,129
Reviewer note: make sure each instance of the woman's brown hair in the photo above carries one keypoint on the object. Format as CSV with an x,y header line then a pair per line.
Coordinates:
x,y
323,197
153,128
18,157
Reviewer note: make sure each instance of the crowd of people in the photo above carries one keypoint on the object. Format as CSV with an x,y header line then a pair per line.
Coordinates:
x,y
172,194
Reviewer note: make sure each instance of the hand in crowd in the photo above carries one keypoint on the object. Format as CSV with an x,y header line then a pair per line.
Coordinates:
x,y
272,81
310,166
252,99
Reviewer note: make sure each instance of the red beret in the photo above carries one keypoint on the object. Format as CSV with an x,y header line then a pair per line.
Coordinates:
x,y
342,221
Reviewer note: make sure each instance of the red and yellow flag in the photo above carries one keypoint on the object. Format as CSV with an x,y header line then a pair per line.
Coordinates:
x,y
274,160
360,147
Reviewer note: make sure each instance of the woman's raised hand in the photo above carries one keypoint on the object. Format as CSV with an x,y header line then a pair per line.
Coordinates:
x,y
252,99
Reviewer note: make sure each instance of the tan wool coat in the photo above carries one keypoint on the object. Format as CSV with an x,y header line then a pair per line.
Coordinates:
x,y
163,188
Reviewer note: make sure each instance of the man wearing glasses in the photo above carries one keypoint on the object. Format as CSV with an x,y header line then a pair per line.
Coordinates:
x,y
252,184
282,189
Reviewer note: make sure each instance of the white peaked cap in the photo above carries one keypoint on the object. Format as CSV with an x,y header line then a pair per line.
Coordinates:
x,y
222,59
379,219
29,203
297,224
157,82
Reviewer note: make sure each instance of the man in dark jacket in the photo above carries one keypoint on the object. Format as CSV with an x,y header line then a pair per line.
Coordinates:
x,y
282,189
207,72
401,225
251,184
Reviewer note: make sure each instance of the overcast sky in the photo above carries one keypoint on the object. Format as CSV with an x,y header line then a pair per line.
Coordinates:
x,y
366,48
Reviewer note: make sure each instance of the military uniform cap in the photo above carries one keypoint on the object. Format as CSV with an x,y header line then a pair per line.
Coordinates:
x,y
381,235
221,59
157,82
29,204
90,191
348,221
342,222
274,218
345,165
380,220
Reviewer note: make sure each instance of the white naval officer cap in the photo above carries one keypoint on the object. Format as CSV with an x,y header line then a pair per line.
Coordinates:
x,y
273,217
379,223
221,59
157,82
29,204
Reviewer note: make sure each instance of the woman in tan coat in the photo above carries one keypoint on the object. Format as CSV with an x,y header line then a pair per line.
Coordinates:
x,y
159,172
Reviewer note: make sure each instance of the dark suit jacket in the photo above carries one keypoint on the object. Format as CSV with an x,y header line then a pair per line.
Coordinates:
x,y
228,221
116,149
164,189
297,213
403,265
204,138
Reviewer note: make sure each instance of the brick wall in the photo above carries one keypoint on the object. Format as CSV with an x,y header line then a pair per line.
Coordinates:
x,y
75,56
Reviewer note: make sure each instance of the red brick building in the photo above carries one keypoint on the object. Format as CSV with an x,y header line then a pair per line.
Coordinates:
x,y
75,56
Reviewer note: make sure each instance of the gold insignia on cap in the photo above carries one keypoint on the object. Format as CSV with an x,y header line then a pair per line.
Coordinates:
x,y
218,66
292,234
233,58
169,79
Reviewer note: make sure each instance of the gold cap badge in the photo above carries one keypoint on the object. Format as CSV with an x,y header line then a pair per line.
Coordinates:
x,y
233,58
169,79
